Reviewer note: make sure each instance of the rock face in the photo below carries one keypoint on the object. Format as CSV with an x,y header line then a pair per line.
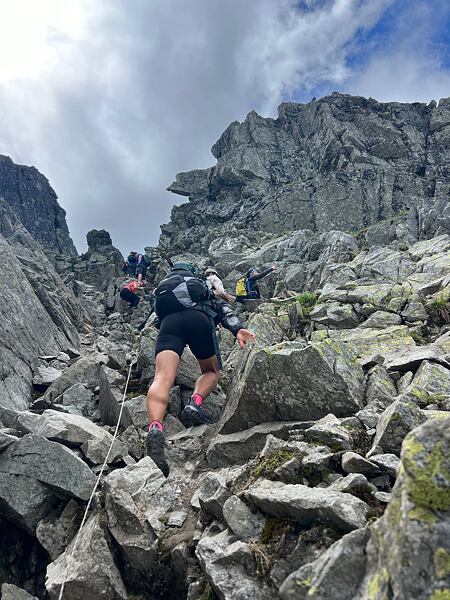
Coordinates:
x,y
406,553
91,572
102,262
373,160
39,315
33,201
324,472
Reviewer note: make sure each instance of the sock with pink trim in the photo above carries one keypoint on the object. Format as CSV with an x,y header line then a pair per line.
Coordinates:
x,y
197,399
157,424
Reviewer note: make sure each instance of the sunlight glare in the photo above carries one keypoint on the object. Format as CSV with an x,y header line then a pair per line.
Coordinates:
x,y
31,33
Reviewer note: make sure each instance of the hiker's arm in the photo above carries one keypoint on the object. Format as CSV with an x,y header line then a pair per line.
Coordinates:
x,y
227,317
219,290
261,275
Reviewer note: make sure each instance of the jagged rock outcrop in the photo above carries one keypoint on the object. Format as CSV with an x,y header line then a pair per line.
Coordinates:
x,y
33,201
39,315
341,162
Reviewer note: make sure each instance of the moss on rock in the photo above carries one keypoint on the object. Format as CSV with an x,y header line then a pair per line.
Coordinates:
x,y
425,475
442,563
268,464
376,583
440,595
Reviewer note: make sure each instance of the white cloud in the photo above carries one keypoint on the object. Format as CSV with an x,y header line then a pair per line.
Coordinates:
x,y
301,50
111,99
408,65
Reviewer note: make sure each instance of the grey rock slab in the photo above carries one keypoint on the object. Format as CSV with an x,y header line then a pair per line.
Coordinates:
x,y
12,592
430,247
414,310
244,523
137,500
328,431
135,412
367,343
430,385
337,574
383,497
90,572
252,183
292,381
409,359
335,315
78,399
212,493
352,482
231,568
404,381
388,463
86,370
50,463
36,296
416,522
56,531
45,376
77,431
308,505
381,320
24,501
242,446
395,422
6,439
354,463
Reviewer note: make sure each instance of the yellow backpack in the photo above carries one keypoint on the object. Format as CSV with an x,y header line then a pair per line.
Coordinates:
x,y
240,287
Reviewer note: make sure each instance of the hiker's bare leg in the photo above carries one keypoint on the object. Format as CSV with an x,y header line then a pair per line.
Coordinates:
x,y
167,363
209,377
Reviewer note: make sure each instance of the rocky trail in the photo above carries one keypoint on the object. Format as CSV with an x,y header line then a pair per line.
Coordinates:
x,y
326,471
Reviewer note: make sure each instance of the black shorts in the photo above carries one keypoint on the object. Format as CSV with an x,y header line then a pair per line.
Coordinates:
x,y
187,327
129,296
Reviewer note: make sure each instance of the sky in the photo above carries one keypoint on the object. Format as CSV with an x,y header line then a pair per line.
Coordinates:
x,y
109,99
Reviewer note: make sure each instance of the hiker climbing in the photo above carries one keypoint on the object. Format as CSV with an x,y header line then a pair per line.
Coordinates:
x,y
141,267
188,314
247,288
128,292
130,265
214,283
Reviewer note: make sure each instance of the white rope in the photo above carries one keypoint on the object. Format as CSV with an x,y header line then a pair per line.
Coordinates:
x,y
97,483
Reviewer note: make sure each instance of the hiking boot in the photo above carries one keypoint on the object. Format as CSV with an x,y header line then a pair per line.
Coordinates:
x,y
155,449
194,415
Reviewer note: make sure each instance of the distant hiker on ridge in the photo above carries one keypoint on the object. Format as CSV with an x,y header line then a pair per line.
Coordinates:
x,y
131,264
188,315
247,288
141,267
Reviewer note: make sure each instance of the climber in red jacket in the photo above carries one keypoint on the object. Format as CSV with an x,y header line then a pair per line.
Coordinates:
x,y
128,292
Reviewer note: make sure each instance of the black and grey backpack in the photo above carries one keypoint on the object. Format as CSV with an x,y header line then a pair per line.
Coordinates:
x,y
179,291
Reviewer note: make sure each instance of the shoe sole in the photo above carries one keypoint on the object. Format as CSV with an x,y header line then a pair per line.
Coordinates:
x,y
191,417
155,450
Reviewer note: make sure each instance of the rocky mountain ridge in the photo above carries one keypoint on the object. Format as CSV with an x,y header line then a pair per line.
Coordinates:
x,y
341,162
34,203
326,471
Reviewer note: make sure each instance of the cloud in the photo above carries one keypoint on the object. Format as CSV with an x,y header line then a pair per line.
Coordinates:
x,y
111,101
410,64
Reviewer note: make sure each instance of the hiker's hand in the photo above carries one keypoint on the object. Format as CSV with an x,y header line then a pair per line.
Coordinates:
x,y
244,336
231,299
274,267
